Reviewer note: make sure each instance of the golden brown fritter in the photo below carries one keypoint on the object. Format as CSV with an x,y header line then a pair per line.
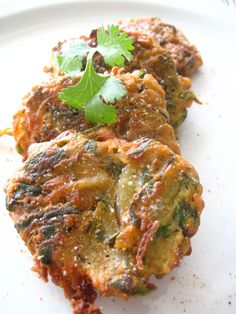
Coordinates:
x,y
186,56
157,61
141,113
104,216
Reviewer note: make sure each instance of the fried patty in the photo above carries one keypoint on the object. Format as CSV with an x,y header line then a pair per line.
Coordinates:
x,y
186,56
102,217
142,113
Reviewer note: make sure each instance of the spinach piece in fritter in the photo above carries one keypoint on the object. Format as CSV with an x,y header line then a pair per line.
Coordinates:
x,y
114,168
23,190
45,216
90,146
45,255
27,189
48,231
186,216
164,231
39,164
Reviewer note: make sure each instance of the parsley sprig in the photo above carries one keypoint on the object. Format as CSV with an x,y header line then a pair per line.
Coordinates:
x,y
95,93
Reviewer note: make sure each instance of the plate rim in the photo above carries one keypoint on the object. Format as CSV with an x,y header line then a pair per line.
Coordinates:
x,y
203,7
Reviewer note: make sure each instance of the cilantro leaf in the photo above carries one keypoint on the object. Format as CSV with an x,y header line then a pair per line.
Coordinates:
x,y
113,46
99,109
78,95
96,93
70,59
100,113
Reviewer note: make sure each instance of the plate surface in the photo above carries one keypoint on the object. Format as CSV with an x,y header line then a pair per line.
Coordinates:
x,y
206,281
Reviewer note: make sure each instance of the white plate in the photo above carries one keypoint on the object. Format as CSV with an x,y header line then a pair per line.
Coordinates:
x,y
206,281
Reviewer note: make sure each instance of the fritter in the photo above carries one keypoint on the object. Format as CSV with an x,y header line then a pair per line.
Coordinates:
x,y
142,113
104,216
186,56
153,59
158,62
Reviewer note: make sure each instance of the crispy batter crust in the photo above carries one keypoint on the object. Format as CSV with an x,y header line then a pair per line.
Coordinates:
x,y
186,56
104,216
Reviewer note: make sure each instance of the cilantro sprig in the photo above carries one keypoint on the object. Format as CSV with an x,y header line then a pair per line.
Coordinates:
x,y
70,60
95,93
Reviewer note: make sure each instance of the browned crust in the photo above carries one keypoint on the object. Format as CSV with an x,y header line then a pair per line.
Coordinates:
x,y
142,113
186,56
146,239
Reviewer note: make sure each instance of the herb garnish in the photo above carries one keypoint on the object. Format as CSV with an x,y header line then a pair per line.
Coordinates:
x,y
96,93
70,59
